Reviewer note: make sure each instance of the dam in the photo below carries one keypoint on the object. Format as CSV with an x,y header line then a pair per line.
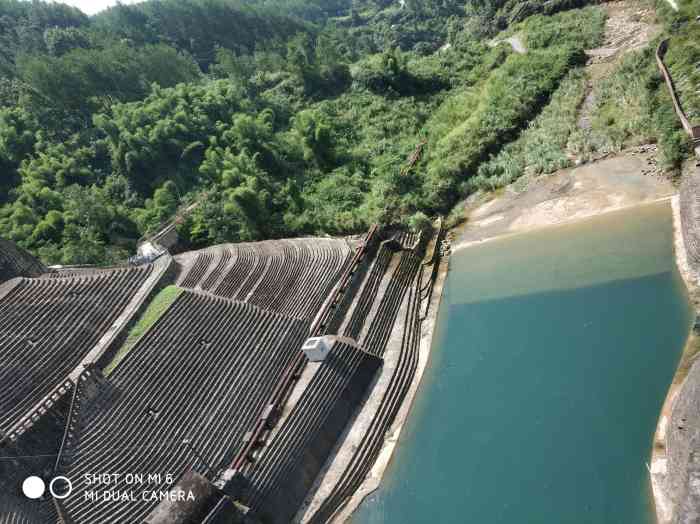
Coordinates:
x,y
553,354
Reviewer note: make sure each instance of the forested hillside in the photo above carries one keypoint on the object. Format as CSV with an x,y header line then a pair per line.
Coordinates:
x,y
279,117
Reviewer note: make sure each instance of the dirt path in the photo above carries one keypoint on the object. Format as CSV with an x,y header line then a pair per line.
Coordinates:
x,y
515,42
611,181
629,26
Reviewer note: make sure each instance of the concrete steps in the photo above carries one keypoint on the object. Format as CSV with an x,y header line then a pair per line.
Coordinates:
x,y
292,277
363,458
286,469
48,326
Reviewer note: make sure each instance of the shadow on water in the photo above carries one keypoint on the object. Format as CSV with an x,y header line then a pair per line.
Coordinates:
x,y
541,407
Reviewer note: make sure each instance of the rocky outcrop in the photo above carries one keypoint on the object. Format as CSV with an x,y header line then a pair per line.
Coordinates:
x,y
675,469
683,445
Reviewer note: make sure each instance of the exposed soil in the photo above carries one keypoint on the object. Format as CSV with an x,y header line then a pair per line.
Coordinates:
x,y
630,25
610,184
514,41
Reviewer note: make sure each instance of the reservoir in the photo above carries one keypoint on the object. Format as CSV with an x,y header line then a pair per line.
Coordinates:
x,y
552,358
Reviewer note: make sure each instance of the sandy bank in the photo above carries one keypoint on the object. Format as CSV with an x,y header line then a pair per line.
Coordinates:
x,y
566,196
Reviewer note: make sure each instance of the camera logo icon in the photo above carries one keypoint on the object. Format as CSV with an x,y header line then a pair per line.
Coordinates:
x,y
34,487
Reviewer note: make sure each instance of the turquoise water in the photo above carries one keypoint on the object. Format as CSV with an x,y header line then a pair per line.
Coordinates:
x,y
553,354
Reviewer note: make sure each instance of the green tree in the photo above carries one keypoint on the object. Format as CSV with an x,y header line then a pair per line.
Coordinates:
x,y
83,81
60,40
316,138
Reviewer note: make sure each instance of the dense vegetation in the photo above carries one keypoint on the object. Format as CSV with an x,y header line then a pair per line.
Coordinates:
x,y
645,112
278,117
542,147
627,105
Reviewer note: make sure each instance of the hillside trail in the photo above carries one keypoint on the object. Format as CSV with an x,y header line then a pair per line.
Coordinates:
x,y
630,25
514,41
517,44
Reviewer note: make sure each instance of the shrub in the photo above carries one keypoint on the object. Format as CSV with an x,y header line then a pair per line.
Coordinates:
x,y
510,97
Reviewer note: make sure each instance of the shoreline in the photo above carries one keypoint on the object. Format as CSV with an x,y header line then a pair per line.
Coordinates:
x,y
611,184
373,480
506,216
658,459
658,468
566,221
580,194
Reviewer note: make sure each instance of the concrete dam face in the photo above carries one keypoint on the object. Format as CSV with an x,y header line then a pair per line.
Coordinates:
x,y
231,384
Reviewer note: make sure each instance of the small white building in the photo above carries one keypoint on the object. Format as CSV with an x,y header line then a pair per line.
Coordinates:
x,y
316,348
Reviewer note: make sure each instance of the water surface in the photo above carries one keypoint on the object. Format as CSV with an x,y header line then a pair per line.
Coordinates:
x,y
553,354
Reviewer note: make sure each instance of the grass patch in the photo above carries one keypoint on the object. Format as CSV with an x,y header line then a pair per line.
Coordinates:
x,y
457,216
682,58
541,147
510,97
156,308
473,126
688,358
632,106
581,27
622,113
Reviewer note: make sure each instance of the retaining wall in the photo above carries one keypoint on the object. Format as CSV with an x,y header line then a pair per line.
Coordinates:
x,y
683,453
678,494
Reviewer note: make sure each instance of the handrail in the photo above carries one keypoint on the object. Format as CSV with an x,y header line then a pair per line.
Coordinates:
x,y
415,157
169,223
71,413
29,418
319,322
59,511
74,405
692,130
